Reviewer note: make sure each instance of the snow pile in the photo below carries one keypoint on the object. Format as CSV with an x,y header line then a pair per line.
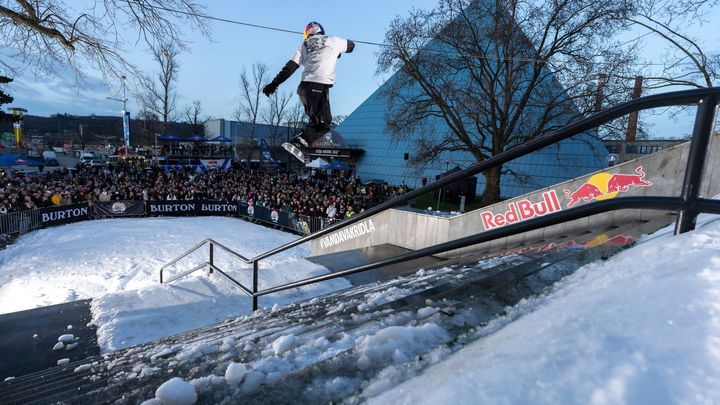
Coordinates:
x,y
400,343
117,263
235,373
176,392
283,344
66,342
641,327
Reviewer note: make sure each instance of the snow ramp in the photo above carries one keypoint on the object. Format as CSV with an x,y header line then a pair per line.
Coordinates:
x,y
330,348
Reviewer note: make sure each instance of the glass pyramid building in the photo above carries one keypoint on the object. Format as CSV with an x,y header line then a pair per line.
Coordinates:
x,y
391,159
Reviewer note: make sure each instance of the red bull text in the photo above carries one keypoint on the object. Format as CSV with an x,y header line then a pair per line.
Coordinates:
x,y
522,210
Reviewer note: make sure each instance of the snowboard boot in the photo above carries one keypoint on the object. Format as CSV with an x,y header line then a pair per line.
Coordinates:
x,y
299,141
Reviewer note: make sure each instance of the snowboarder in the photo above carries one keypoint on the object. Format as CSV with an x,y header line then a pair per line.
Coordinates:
x,y
318,55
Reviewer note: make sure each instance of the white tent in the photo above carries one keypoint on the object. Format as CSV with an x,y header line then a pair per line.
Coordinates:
x,y
317,163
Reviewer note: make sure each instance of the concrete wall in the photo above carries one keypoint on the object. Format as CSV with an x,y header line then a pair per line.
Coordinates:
x,y
665,170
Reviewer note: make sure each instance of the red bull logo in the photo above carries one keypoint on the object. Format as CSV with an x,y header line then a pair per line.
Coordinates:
x,y
522,210
602,239
603,186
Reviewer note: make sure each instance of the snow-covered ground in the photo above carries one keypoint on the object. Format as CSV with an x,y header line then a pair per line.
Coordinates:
x,y
641,327
117,261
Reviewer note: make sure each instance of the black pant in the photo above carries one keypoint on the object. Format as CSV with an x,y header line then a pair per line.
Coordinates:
x,y
315,97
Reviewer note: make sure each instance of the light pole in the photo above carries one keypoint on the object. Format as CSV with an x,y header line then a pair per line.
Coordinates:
x,y
440,192
125,116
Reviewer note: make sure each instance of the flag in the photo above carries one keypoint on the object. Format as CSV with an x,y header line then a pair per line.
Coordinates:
x,y
266,154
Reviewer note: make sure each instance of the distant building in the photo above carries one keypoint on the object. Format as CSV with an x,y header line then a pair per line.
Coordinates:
x,y
392,160
622,151
243,133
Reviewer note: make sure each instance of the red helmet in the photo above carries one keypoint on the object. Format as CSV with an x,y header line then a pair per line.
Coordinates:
x,y
313,28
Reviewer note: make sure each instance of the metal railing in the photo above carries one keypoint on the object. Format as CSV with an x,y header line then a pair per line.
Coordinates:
x,y
19,223
688,204
211,265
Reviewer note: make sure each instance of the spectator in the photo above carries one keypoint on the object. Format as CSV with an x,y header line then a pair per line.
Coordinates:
x,y
319,195
331,211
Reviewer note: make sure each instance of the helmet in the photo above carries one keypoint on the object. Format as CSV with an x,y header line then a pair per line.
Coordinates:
x,y
313,28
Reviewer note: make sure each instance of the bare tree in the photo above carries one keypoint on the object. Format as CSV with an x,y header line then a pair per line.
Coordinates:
x,y
484,76
296,117
5,98
685,62
151,126
274,116
192,117
249,108
159,91
338,119
45,35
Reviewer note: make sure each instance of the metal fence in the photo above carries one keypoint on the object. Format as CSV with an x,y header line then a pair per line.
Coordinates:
x,y
14,224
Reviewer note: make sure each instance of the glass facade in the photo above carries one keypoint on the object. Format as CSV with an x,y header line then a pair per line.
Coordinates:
x,y
385,157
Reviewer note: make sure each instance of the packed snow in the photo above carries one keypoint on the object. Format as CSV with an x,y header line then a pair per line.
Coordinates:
x,y
117,261
176,392
641,327
235,373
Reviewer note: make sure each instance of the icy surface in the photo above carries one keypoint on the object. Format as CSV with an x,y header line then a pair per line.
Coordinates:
x,y
117,263
642,327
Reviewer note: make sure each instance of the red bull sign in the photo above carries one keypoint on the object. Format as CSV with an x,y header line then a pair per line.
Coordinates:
x,y
522,210
603,186
600,186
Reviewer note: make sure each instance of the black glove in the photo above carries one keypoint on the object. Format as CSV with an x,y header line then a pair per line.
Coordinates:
x,y
269,89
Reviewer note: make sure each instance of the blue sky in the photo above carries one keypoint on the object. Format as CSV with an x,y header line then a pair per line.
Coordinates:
x,y
210,70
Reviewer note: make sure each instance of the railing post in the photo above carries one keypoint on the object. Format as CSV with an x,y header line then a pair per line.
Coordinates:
x,y
704,122
212,262
255,286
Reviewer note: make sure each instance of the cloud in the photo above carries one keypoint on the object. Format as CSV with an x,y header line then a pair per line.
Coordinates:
x,y
49,95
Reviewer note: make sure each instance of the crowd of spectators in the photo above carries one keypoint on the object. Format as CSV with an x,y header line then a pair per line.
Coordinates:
x,y
312,193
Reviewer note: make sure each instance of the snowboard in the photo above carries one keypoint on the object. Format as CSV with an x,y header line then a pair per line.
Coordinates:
x,y
295,151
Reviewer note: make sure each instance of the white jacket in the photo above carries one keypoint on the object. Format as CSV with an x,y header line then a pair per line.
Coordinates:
x,y
318,55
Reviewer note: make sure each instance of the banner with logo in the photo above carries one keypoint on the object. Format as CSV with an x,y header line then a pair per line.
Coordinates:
x,y
62,214
265,215
181,208
220,165
266,154
220,208
175,208
119,208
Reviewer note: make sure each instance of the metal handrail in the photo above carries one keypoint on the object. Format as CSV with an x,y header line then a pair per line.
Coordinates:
x,y
232,252
211,265
655,101
688,204
571,214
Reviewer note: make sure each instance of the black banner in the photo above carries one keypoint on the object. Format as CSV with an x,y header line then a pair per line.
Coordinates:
x,y
265,214
171,208
191,208
119,208
218,208
62,214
